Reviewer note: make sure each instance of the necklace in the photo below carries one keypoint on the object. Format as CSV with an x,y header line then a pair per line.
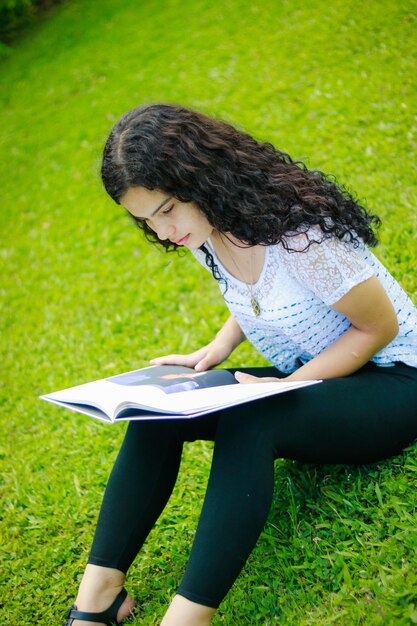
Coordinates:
x,y
253,301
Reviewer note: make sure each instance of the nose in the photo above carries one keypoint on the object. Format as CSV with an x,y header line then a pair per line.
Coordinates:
x,y
164,231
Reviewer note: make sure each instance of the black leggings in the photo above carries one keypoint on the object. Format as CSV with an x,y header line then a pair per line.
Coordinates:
x,y
363,418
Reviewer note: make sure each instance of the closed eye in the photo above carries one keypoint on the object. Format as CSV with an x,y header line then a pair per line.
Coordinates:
x,y
146,220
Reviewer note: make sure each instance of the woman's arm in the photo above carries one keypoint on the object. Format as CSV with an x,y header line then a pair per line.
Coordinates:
x,y
374,325
226,340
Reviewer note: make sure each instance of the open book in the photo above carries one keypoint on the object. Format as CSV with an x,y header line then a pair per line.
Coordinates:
x,y
164,391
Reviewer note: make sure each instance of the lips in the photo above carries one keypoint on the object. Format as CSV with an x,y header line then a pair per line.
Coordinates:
x,y
182,241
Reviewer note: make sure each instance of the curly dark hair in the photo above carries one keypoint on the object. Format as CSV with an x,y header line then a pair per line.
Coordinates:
x,y
244,187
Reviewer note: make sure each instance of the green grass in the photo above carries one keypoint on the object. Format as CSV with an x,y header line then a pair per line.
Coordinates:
x,y
83,296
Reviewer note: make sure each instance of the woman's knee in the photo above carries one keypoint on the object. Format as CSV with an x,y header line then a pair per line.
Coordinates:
x,y
148,436
175,429
245,428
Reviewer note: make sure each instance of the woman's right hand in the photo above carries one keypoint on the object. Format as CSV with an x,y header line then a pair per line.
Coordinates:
x,y
203,359
217,351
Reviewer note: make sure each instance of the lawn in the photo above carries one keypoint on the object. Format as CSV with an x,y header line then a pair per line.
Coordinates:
x,y
83,296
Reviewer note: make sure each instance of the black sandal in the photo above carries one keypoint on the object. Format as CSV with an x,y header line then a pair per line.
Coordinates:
x,y
107,617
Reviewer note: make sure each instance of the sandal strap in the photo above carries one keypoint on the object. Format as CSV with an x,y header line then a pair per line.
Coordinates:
x,y
107,617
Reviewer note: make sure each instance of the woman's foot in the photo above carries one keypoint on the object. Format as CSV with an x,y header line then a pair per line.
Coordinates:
x,y
183,612
98,590
125,610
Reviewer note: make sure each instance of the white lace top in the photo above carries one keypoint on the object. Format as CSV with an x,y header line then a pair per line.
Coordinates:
x,y
296,291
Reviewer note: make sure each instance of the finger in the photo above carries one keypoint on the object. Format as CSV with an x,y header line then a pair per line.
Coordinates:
x,y
246,378
204,364
174,359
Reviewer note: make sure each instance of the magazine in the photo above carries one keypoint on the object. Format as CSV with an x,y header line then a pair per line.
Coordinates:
x,y
164,391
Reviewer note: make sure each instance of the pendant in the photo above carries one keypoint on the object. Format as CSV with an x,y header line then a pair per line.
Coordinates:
x,y
255,306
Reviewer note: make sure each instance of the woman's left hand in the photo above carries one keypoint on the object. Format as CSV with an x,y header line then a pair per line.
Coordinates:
x,y
241,377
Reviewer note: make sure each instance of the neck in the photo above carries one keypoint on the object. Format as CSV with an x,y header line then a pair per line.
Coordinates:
x,y
228,240
243,261
239,260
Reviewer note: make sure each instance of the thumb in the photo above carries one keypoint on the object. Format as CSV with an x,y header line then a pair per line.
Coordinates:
x,y
203,365
241,377
244,378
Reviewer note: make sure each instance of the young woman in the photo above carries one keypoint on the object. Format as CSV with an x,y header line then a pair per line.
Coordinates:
x,y
289,249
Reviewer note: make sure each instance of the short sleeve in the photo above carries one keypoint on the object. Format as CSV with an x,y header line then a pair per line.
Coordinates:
x,y
329,267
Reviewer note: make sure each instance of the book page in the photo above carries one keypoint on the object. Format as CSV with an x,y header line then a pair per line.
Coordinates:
x,y
230,395
178,393
153,388
173,378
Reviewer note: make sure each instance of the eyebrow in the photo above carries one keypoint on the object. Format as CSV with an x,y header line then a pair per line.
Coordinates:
x,y
161,205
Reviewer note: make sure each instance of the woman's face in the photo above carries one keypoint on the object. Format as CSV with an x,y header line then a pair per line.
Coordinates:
x,y
180,222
